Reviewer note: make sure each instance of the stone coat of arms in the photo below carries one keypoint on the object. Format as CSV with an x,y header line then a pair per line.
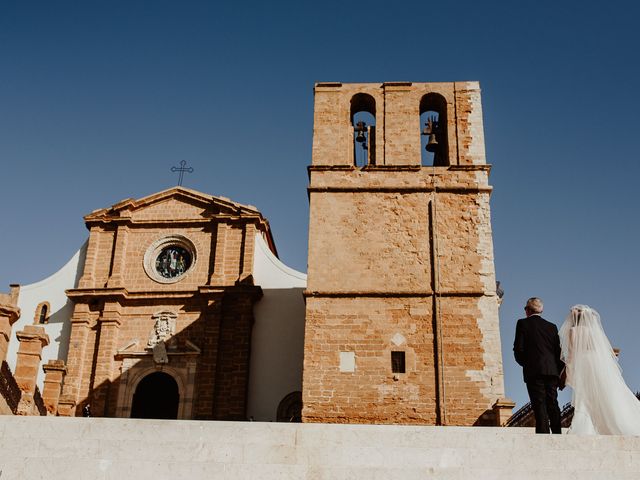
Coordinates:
x,y
163,329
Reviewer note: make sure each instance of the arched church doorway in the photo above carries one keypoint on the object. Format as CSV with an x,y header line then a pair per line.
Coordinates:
x,y
290,408
156,396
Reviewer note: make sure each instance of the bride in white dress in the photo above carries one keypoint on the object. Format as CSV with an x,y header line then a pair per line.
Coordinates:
x,y
603,403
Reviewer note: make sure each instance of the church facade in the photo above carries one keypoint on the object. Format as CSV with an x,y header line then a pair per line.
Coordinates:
x,y
178,307
171,304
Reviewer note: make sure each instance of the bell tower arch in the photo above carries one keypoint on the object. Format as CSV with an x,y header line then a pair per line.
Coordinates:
x,y
401,305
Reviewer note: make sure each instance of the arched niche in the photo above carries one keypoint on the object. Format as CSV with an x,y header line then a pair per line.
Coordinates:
x,y
363,120
434,142
43,310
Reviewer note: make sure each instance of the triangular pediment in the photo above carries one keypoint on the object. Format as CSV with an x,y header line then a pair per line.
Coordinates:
x,y
136,348
175,204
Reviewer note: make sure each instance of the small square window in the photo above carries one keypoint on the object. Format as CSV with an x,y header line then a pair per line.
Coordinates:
x,y
397,362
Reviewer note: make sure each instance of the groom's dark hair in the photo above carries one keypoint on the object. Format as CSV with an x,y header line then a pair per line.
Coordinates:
x,y
534,305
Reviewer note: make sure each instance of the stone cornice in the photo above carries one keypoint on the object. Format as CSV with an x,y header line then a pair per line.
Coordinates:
x,y
471,168
396,293
76,294
458,179
55,365
149,353
30,334
11,312
393,168
331,168
405,189
398,168
175,223
85,294
110,320
133,350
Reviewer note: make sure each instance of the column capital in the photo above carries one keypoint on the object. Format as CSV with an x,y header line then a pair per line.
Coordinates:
x,y
32,333
11,312
67,406
111,314
54,365
55,371
502,409
110,321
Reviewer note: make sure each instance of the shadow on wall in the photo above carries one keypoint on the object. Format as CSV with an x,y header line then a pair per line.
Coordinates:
x,y
208,361
63,317
277,352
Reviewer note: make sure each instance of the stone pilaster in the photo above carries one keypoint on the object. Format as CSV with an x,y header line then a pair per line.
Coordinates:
x,y
119,254
66,407
54,370
246,253
218,251
206,384
88,276
502,410
9,313
75,361
234,348
109,323
32,340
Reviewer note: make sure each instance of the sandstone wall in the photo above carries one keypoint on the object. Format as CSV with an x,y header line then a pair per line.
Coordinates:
x,y
119,298
401,260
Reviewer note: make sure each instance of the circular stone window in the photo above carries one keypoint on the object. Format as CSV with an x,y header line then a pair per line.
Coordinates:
x,y
167,260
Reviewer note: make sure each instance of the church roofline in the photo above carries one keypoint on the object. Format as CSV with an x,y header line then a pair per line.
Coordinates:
x,y
130,203
113,214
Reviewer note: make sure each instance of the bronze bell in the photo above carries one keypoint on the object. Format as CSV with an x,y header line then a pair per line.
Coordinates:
x,y
432,144
360,127
430,129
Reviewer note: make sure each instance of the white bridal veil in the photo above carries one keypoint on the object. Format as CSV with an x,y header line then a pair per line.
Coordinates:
x,y
603,403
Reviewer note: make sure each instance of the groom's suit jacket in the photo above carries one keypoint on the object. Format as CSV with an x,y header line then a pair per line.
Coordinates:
x,y
537,347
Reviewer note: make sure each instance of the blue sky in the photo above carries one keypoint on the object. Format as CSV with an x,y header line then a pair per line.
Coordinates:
x,y
99,99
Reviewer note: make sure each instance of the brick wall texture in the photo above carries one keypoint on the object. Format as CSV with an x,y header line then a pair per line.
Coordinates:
x,y
400,259
117,299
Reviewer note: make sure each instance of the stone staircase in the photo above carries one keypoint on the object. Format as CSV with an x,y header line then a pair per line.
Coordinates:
x,y
55,448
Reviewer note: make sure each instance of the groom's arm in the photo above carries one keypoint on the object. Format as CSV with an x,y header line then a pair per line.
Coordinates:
x,y
518,345
558,349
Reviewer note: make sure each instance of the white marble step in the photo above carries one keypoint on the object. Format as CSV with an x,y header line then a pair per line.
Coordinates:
x,y
79,448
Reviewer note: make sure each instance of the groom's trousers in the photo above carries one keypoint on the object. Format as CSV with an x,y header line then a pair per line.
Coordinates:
x,y
543,393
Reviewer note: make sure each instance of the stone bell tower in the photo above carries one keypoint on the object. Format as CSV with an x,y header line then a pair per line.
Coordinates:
x,y
401,304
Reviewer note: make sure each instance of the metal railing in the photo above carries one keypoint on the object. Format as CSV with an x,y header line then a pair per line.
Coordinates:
x,y
566,414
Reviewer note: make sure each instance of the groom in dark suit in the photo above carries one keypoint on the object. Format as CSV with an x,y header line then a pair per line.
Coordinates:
x,y
537,349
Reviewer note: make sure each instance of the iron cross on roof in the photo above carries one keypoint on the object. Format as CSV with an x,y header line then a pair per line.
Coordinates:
x,y
182,168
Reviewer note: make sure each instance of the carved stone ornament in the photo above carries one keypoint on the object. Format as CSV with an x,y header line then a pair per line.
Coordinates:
x,y
163,329
160,353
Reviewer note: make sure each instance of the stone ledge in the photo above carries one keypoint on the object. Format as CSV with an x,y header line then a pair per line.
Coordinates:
x,y
402,189
395,293
61,448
